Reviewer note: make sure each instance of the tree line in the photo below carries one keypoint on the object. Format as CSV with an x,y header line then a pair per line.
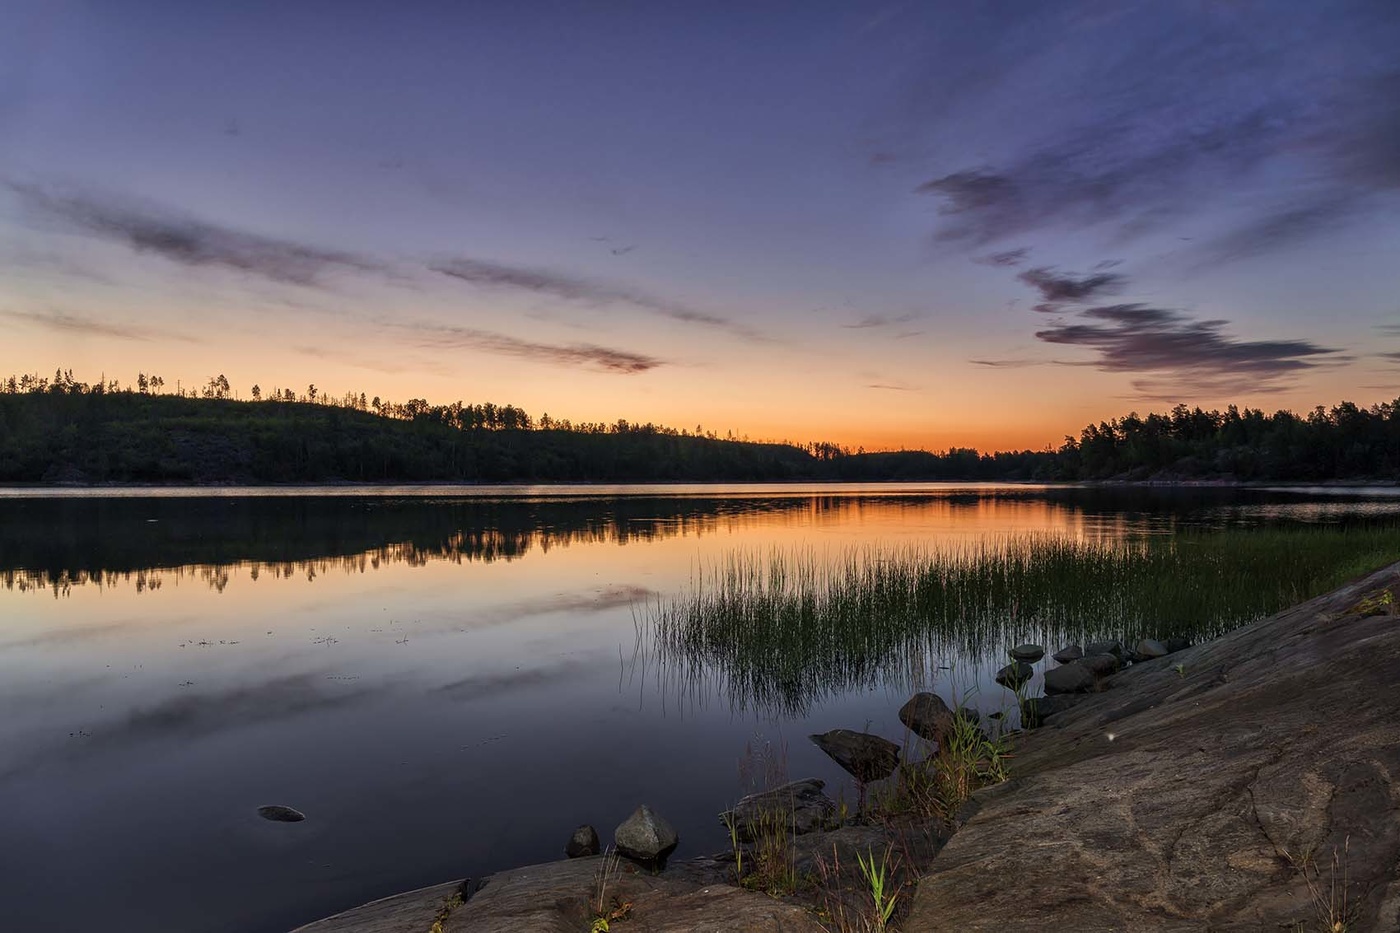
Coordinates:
x,y
65,430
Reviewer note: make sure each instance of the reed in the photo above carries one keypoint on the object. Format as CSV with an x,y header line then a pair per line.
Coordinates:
x,y
782,629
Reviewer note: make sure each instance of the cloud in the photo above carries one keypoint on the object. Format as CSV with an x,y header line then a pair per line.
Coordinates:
x,y
883,320
1155,114
1007,257
189,242
892,386
1194,354
1009,364
1058,289
607,359
64,322
574,288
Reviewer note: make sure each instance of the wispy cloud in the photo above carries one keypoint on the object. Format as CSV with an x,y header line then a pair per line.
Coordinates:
x,y
1006,257
67,323
1009,363
871,321
589,355
486,274
1059,289
185,240
1195,354
892,386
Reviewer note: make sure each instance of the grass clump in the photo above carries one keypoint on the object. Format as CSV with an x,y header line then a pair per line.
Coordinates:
x,y
606,908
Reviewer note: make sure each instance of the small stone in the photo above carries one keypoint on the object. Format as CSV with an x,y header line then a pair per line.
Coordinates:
x,y
583,842
1149,649
1071,678
866,757
280,814
1015,674
927,716
1101,664
645,836
1031,653
1069,653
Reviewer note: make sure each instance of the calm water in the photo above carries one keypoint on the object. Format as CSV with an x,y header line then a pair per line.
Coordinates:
x,y
446,681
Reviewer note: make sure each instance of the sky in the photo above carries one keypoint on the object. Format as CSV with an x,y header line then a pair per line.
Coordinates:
x,y
878,224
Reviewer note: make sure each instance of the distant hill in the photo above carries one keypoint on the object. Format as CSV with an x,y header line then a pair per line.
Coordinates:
x,y
67,433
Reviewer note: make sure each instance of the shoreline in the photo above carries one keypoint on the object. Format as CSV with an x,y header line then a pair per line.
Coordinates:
x,y
1191,792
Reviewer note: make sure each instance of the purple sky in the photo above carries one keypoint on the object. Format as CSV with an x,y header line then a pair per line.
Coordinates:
x,y
903,224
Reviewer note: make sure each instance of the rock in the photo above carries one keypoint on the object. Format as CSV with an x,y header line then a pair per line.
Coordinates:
x,y
800,806
927,716
1015,674
1114,648
645,836
867,757
1290,744
1069,653
583,842
281,814
1071,678
1037,711
1101,664
1177,644
1149,649
1031,653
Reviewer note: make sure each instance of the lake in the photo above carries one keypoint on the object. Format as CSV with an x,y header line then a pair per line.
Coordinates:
x,y
448,680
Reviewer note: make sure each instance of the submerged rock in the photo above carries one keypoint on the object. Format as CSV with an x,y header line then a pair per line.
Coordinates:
x,y
645,836
1069,653
1031,653
927,716
800,806
867,757
583,842
1074,677
1015,675
280,814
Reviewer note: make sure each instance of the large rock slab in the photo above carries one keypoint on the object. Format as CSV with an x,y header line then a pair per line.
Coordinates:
x,y
800,807
554,897
412,910
1189,802
865,756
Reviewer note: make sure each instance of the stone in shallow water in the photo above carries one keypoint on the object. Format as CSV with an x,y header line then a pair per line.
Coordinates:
x,y
1015,674
1069,653
1149,648
800,807
927,716
281,814
1114,648
867,757
1030,653
1101,664
583,842
1070,678
645,836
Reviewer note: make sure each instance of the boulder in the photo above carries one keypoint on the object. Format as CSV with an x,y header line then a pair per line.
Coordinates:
x,y
1030,653
583,842
280,814
867,757
1114,648
800,806
1068,653
1177,644
1101,664
1037,711
1149,649
927,716
1071,678
645,836
1015,674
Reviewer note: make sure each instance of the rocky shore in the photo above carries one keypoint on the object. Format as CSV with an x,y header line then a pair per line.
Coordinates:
x,y
1241,784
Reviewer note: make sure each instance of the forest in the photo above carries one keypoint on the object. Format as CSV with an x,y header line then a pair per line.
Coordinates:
x,y
62,431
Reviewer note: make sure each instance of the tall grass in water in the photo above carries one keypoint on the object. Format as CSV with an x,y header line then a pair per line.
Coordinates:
x,y
782,629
